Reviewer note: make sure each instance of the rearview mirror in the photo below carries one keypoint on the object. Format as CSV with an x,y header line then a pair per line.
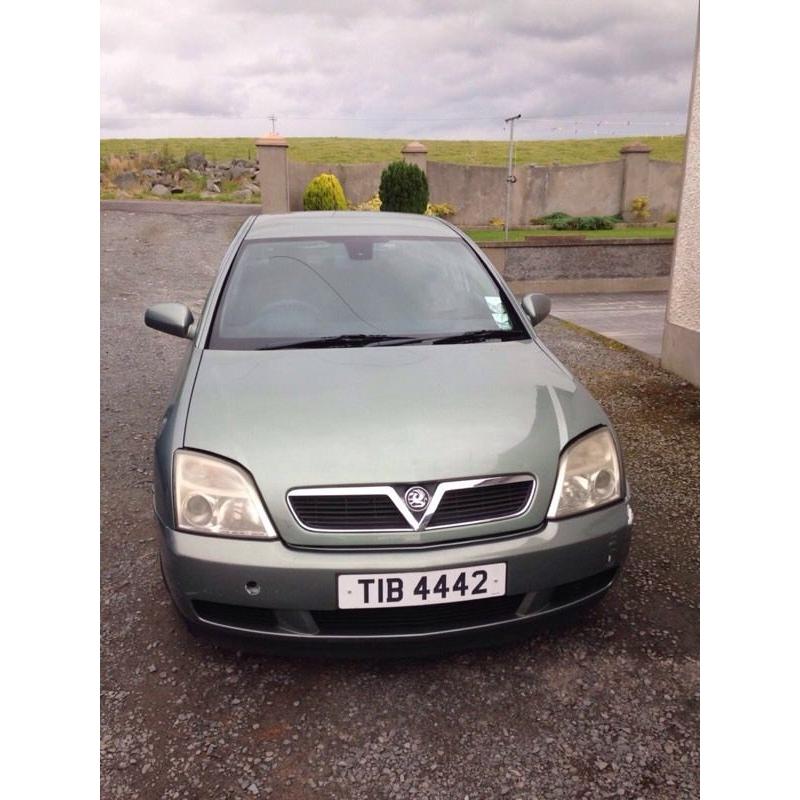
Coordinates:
x,y
172,318
536,306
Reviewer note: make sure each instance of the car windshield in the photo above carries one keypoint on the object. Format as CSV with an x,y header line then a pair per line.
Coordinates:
x,y
359,291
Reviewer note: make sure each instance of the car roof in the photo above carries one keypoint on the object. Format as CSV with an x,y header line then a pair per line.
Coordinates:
x,y
347,223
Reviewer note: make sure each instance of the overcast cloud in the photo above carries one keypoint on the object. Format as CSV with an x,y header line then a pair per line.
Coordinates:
x,y
406,68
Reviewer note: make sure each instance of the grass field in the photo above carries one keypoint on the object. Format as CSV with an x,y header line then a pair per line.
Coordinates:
x,y
519,234
355,151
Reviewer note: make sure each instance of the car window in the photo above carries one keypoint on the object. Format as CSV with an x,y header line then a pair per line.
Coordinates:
x,y
291,289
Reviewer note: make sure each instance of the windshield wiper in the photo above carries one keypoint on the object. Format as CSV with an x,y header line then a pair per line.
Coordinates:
x,y
478,336
387,340
345,340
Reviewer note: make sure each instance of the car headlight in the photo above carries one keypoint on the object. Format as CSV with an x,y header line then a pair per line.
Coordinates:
x,y
215,496
588,475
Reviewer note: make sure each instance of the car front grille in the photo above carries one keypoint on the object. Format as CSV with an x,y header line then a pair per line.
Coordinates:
x,y
416,619
232,616
348,512
404,620
371,621
382,508
481,503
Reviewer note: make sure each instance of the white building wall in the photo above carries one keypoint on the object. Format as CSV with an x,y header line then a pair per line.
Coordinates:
x,y
681,346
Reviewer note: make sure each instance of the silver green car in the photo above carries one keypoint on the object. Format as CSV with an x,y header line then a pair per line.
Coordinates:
x,y
369,448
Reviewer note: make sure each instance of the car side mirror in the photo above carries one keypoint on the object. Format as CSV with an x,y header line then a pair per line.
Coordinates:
x,y
536,306
172,318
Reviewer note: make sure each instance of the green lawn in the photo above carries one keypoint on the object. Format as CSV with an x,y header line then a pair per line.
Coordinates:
x,y
519,234
354,151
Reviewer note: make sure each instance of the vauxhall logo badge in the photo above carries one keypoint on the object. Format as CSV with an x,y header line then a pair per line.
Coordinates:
x,y
417,498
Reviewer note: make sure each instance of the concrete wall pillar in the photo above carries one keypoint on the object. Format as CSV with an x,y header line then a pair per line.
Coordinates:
x,y
680,350
416,153
635,177
273,173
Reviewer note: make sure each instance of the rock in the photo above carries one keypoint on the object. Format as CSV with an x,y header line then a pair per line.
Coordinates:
x,y
159,190
126,180
242,195
195,160
177,190
212,186
253,187
237,171
150,173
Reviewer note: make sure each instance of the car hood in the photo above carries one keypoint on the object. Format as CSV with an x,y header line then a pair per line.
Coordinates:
x,y
388,415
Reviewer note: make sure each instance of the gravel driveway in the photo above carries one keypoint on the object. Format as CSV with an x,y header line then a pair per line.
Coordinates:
x,y
607,707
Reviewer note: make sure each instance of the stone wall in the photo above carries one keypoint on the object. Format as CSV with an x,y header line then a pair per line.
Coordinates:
x,y
596,265
664,188
479,192
581,189
359,181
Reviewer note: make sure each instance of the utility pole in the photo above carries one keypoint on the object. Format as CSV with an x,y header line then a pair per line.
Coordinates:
x,y
273,118
510,178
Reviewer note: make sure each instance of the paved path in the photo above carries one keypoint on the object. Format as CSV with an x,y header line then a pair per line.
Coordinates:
x,y
182,207
635,319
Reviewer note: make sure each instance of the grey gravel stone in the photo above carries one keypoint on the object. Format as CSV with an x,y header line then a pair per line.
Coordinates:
x,y
532,717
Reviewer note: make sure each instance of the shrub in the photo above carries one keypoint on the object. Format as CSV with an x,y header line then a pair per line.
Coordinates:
x,y
324,193
373,204
640,208
496,222
404,188
595,224
673,217
583,224
440,210
549,219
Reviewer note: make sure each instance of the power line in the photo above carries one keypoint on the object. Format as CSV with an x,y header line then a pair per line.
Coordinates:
x,y
187,117
528,121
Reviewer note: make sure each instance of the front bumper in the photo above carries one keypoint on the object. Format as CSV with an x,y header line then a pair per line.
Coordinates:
x,y
558,567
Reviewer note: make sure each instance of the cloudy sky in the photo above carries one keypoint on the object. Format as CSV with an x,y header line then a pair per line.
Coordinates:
x,y
404,69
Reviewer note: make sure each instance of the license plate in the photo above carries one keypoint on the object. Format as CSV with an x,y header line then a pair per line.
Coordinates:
x,y
380,590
